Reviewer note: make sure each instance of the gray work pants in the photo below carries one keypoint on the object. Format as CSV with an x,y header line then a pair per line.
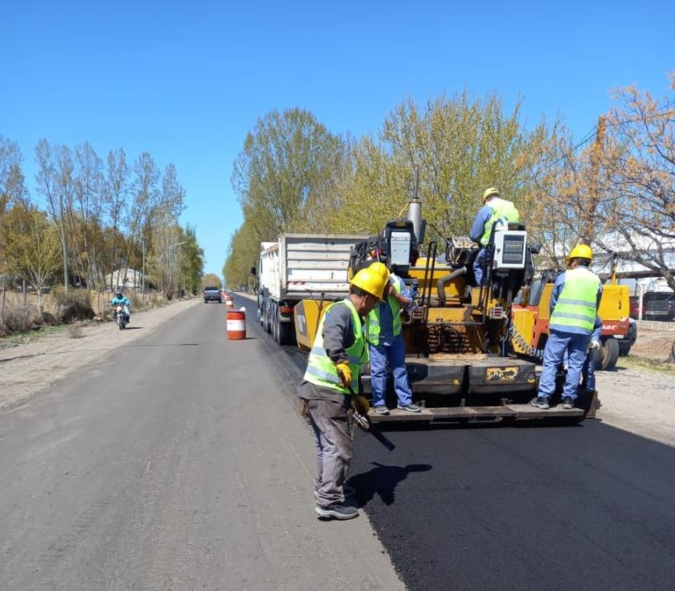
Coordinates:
x,y
332,428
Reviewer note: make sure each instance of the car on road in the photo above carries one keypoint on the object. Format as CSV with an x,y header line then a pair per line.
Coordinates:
x,y
213,294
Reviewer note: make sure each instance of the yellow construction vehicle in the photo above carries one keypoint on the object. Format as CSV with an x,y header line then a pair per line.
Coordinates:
x,y
459,356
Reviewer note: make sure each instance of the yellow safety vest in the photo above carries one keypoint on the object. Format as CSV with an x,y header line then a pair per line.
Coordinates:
x,y
501,208
577,304
373,324
321,371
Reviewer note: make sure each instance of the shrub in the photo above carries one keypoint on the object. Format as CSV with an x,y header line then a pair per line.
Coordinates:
x,y
73,305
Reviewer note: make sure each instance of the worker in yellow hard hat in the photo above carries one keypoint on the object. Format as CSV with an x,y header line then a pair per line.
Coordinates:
x,y
574,305
494,209
330,381
387,348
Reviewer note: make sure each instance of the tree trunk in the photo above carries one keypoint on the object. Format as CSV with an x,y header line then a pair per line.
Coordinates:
x,y
671,357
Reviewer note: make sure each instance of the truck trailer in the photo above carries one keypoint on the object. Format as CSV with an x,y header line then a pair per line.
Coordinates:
x,y
298,276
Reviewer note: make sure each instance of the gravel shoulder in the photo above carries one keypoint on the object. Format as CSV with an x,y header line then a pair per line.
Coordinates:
x,y
635,399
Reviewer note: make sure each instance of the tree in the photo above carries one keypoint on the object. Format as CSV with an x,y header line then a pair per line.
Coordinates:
x,y
89,206
32,246
461,146
211,280
55,183
618,193
638,180
243,252
284,160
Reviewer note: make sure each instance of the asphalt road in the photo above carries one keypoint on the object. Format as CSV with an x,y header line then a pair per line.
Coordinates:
x,y
181,463
175,464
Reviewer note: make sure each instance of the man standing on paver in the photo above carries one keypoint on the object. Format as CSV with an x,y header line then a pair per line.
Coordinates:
x,y
338,352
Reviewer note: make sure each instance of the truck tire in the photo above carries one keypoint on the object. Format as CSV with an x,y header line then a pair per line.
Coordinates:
x,y
275,329
268,320
624,348
606,356
286,333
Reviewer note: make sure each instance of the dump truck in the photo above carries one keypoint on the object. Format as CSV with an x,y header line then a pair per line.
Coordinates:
x,y
298,276
459,355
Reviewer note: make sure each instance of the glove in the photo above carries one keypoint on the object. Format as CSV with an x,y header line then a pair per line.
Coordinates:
x,y
345,374
594,346
361,404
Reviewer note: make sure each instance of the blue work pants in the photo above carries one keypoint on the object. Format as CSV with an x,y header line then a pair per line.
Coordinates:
x,y
559,344
478,265
394,354
587,371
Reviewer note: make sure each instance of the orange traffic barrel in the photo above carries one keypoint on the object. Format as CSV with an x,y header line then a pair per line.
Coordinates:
x,y
229,301
236,324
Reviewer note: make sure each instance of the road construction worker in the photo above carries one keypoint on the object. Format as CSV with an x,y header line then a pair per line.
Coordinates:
x,y
385,340
574,304
330,381
494,209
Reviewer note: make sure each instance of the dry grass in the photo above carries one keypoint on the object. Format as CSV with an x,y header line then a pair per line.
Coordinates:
x,y
20,313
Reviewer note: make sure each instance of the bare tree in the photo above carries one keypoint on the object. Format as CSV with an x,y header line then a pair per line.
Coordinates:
x,y
54,179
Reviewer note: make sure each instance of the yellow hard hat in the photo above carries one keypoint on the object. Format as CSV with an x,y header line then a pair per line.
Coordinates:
x,y
381,269
370,281
580,251
490,192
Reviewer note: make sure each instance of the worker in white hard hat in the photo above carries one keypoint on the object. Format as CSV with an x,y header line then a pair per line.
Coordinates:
x,y
494,209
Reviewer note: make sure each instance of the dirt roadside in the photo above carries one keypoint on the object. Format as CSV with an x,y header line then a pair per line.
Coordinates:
x,y
633,398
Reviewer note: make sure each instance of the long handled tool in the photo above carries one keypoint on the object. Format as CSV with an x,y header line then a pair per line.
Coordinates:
x,y
360,408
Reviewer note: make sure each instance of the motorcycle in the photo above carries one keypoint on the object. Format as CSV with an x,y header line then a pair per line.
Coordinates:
x,y
121,317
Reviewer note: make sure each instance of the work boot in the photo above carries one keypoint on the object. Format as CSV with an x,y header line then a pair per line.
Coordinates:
x,y
542,402
336,512
410,407
381,410
568,403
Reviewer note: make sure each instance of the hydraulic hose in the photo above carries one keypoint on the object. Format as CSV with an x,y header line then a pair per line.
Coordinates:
x,y
440,285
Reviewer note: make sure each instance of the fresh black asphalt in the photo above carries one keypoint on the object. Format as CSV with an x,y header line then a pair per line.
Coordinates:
x,y
514,508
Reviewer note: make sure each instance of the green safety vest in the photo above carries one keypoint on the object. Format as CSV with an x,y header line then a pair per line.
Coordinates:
x,y
501,208
321,371
578,301
373,324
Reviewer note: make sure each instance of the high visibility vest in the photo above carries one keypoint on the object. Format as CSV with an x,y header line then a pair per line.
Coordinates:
x,y
373,324
501,208
321,370
577,304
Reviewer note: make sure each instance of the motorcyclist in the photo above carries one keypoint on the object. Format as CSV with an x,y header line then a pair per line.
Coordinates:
x,y
121,300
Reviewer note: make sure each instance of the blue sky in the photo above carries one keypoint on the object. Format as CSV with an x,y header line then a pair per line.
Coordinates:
x,y
185,81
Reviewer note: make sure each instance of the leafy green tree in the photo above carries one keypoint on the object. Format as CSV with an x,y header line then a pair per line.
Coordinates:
x,y
460,145
211,280
32,246
286,158
243,252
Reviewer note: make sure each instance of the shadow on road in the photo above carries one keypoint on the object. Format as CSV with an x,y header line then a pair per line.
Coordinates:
x,y
382,480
